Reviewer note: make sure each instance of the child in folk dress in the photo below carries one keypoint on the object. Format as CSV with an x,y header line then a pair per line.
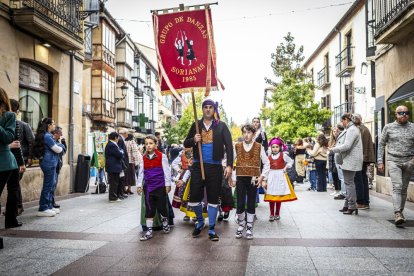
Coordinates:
x,y
278,186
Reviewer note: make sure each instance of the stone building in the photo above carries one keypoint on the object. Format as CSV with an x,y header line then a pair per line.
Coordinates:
x,y
392,24
41,56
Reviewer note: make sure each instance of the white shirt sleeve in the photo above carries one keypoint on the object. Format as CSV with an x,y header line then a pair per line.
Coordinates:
x,y
175,165
166,169
266,163
140,175
186,175
233,175
57,149
288,160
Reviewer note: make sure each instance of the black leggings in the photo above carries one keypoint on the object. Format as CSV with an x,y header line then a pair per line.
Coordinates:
x,y
11,178
212,183
245,187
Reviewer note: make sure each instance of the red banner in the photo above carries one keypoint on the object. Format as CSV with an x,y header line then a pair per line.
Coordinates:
x,y
185,50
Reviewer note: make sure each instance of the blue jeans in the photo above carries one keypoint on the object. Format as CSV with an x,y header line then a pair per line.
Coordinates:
x,y
49,181
321,175
312,179
100,175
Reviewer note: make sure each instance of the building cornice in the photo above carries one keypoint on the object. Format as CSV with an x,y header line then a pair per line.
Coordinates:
x,y
358,4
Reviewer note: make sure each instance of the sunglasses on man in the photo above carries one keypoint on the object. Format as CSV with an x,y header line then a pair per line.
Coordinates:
x,y
403,113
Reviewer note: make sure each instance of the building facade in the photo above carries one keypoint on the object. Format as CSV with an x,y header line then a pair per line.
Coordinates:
x,y
392,24
41,67
341,70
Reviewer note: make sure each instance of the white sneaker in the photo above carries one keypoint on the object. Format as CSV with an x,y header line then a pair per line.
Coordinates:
x,y
115,201
56,210
46,213
334,193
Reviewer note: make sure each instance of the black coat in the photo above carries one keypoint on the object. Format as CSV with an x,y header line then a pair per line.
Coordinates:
x,y
113,158
122,146
221,142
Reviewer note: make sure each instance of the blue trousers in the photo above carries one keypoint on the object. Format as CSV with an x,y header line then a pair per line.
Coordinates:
x,y
49,181
312,179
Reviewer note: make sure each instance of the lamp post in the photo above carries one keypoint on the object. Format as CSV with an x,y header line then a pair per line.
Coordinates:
x,y
124,89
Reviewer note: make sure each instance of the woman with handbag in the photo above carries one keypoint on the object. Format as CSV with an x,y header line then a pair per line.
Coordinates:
x,y
348,156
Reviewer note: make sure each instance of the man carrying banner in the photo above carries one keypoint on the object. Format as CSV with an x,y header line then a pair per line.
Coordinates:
x,y
215,139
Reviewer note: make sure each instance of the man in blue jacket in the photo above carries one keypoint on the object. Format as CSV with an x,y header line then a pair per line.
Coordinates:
x,y
113,165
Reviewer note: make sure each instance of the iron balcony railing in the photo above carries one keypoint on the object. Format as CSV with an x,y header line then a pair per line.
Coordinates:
x,y
344,59
323,77
341,109
386,11
66,13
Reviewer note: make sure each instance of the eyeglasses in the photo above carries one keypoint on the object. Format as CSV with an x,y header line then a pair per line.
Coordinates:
x,y
403,113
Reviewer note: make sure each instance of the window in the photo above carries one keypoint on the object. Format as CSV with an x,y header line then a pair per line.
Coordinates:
x,y
370,27
326,64
34,94
129,56
311,75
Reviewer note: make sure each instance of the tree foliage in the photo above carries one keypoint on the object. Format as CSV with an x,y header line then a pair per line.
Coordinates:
x,y
292,112
235,132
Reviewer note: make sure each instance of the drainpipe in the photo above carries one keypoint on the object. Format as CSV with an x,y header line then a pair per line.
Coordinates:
x,y
71,124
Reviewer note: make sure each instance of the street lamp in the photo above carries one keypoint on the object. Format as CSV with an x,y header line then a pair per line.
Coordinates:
x,y
124,89
346,77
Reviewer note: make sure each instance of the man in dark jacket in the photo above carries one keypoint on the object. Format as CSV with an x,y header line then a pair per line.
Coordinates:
x,y
113,165
215,139
123,134
361,177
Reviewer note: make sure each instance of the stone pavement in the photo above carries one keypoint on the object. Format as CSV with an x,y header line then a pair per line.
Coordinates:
x,y
94,237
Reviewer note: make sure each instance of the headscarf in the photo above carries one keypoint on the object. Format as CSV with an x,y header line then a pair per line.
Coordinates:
x,y
210,101
278,141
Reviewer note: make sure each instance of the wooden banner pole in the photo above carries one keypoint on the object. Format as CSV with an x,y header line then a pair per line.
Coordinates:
x,y
198,132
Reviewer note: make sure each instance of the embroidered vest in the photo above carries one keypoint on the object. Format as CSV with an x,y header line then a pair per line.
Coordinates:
x,y
277,164
184,162
248,163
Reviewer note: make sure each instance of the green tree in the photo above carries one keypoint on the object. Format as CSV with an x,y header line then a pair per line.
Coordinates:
x,y
292,112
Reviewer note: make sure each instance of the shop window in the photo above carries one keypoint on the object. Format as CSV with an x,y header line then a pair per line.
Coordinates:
x,y
34,94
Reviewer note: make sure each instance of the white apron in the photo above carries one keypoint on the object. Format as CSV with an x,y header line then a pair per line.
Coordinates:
x,y
276,183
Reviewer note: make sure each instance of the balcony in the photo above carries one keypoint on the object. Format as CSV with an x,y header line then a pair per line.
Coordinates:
x,y
103,110
323,78
344,61
341,109
394,20
55,21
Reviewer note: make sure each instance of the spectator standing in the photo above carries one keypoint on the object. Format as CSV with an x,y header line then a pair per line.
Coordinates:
x,y
57,136
135,159
361,177
331,162
300,155
47,151
113,165
25,136
348,155
399,136
320,155
9,170
123,134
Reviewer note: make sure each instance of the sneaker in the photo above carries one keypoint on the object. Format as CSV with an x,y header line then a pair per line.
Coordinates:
x,y
197,229
165,226
213,237
271,218
339,197
46,213
146,236
277,217
115,200
56,210
186,218
335,193
399,219
402,215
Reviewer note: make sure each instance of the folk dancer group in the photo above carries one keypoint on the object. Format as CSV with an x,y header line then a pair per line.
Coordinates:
x,y
245,166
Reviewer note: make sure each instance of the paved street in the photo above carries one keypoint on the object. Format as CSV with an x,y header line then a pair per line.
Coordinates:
x,y
92,237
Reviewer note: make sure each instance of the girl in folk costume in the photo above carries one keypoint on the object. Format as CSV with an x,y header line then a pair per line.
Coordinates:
x,y
278,187
248,155
181,164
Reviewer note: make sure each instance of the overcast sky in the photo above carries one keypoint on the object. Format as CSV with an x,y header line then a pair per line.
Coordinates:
x,y
246,33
